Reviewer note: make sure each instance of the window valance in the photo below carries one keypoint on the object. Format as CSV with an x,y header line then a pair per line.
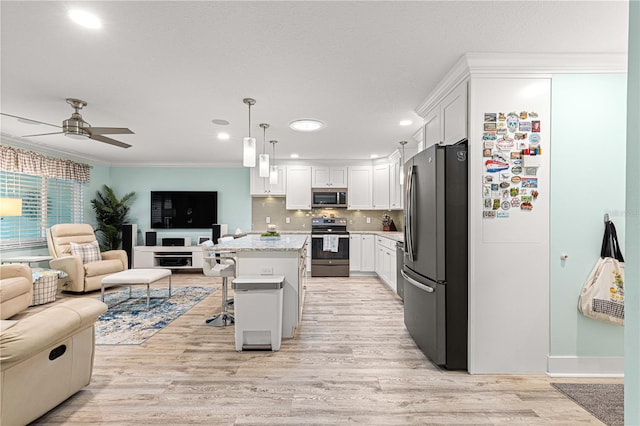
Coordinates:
x,y
32,163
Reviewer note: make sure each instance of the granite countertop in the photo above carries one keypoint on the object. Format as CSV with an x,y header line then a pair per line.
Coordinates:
x,y
255,243
393,235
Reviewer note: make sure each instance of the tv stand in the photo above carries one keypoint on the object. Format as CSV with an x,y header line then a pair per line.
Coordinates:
x,y
168,257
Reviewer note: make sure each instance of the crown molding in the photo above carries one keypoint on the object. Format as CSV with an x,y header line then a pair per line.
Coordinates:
x,y
514,64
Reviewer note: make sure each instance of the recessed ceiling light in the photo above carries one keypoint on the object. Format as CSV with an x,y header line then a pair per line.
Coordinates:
x,y
223,136
220,122
294,156
406,122
307,125
374,155
86,19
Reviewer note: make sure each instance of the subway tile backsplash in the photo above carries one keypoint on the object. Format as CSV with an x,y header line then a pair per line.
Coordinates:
x,y
300,220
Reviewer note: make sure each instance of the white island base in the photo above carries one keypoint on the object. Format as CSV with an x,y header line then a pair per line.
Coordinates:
x,y
287,257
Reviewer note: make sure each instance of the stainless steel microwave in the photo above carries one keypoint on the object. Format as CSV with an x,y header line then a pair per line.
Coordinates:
x,y
328,198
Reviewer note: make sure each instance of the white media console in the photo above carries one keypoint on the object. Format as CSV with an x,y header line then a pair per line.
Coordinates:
x,y
168,257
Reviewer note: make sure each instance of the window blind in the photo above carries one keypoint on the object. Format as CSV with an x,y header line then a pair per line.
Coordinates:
x,y
45,202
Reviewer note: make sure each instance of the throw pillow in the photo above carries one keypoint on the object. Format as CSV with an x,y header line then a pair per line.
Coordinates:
x,y
89,252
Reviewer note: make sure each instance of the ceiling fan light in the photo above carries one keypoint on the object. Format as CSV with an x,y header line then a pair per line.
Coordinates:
x,y
307,125
249,152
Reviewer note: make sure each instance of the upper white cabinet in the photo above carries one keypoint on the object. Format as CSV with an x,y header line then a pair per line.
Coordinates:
x,y
395,185
298,188
328,177
261,186
454,115
447,121
360,179
381,186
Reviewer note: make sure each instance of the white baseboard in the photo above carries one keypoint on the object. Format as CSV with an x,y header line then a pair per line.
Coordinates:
x,y
585,366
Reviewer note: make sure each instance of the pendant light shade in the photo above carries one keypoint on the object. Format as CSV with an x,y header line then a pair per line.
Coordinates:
x,y
402,143
273,170
263,161
249,143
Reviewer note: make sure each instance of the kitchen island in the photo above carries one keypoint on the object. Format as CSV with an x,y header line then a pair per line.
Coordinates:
x,y
284,256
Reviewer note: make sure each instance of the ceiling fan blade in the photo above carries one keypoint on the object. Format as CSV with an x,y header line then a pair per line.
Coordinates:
x,y
110,131
43,134
29,119
110,141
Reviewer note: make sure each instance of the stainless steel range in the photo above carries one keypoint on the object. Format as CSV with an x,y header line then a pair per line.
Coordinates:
x,y
329,247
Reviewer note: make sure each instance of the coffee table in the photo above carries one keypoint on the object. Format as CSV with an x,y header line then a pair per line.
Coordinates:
x,y
133,277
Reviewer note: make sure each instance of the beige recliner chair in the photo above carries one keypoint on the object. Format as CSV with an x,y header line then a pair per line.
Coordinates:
x,y
82,277
45,358
16,289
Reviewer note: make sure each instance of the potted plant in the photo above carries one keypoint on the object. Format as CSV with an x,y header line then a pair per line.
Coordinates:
x,y
111,214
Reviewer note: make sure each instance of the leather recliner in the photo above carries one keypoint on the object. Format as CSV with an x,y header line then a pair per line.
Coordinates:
x,y
81,277
45,358
16,289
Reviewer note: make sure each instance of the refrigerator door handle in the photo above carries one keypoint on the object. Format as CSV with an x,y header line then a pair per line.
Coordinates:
x,y
409,215
416,283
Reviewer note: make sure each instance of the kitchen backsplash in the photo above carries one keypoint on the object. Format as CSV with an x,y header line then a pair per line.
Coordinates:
x,y
300,220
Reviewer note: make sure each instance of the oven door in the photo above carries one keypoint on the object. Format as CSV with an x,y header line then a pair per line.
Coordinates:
x,y
318,252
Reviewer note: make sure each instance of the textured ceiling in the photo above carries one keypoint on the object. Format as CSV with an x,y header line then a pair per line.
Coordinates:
x,y
166,69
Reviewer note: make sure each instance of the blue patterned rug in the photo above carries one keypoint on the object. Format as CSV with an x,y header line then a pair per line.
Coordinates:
x,y
128,322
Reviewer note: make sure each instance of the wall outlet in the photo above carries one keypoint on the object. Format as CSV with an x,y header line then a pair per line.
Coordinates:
x,y
287,220
268,220
368,220
267,270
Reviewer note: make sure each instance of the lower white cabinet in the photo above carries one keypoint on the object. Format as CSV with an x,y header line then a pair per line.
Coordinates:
x,y
386,261
361,252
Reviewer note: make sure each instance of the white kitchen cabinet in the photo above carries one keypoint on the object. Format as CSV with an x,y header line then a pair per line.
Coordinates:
x,y
361,252
432,135
386,261
261,186
360,181
447,121
395,185
355,252
328,177
298,188
380,195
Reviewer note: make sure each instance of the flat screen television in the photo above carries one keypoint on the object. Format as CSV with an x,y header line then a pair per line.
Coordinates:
x,y
183,209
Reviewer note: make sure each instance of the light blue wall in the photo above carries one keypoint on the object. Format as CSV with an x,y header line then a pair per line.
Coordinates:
x,y
587,180
232,184
632,261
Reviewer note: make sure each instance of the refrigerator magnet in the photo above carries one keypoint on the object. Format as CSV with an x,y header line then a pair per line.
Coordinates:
x,y
516,179
505,205
505,143
526,206
503,215
486,152
515,202
514,191
501,116
502,130
490,127
504,184
520,136
534,138
533,114
530,171
488,178
516,170
490,117
535,126
524,126
496,204
523,115
489,214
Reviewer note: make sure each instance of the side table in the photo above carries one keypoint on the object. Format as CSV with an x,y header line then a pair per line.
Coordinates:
x,y
26,259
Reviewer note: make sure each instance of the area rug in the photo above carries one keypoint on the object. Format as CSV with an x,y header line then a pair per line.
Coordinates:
x,y
604,400
128,322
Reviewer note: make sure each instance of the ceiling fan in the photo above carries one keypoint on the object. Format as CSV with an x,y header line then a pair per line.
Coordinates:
x,y
75,126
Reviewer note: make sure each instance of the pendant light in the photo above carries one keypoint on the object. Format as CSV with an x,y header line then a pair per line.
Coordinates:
x,y
263,160
249,143
402,143
273,170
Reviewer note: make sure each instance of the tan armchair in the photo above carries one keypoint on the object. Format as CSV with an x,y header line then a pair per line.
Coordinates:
x,y
16,289
81,277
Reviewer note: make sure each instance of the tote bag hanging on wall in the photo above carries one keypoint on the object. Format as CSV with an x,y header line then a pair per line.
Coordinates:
x,y
602,296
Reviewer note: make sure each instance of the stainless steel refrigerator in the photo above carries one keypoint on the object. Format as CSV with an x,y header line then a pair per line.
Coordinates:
x,y
435,257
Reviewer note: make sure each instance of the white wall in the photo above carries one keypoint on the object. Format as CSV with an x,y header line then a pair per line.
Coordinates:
x,y
508,258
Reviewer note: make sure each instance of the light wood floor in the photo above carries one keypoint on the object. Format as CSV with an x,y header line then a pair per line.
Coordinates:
x,y
351,362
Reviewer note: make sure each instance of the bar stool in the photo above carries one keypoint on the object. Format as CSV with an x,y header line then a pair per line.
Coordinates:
x,y
219,264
